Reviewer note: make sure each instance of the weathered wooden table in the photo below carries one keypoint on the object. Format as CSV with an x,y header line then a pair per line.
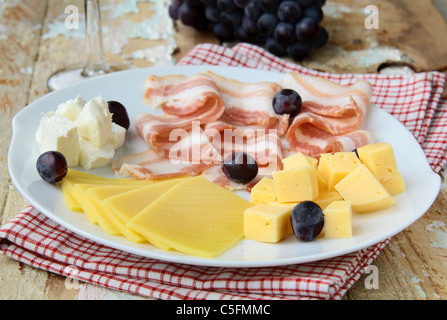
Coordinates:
x,y
35,42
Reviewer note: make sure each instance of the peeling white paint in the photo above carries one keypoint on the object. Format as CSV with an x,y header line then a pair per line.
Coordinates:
x,y
439,230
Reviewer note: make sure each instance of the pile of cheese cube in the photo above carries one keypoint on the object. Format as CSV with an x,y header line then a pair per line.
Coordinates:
x,y
83,132
339,183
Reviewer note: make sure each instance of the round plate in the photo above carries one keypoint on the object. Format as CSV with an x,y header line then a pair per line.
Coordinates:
x,y
127,87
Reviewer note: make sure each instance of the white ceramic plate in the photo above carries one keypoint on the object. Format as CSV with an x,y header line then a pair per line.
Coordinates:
x,y
128,87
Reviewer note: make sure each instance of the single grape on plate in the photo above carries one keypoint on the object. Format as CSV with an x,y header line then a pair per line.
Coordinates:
x,y
287,101
307,220
52,166
240,167
119,114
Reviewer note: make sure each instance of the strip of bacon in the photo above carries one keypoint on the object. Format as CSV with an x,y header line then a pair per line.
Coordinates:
x,y
157,130
149,165
180,95
250,103
331,115
328,98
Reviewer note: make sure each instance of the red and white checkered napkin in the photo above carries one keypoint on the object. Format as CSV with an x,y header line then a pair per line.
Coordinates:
x,y
32,238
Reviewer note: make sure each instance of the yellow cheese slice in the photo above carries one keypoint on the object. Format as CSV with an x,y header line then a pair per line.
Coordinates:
x,y
76,174
97,194
123,207
69,182
93,212
195,217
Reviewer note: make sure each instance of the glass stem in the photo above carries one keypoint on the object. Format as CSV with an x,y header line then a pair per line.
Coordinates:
x,y
93,35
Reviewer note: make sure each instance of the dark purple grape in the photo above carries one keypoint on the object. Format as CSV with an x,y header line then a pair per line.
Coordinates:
x,y
188,15
314,12
212,14
222,32
242,35
270,5
210,3
249,25
253,10
52,166
241,3
306,3
289,11
173,9
287,101
227,5
285,33
307,220
298,50
307,29
276,48
320,3
321,40
194,3
119,114
266,24
240,167
231,20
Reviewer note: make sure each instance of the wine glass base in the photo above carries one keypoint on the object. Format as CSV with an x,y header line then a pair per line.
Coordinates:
x,y
76,73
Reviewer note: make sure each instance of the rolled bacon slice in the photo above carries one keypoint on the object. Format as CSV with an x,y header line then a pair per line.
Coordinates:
x,y
331,115
180,95
250,103
184,99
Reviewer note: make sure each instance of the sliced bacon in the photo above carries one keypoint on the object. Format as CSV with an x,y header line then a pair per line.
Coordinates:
x,y
330,117
207,117
328,98
157,130
250,103
180,95
149,165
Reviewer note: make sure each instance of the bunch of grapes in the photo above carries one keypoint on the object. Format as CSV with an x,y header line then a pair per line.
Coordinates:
x,y
284,27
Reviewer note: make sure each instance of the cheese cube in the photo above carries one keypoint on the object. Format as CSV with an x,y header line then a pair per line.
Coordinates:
x,y
263,191
294,161
326,197
364,191
60,134
95,122
334,167
91,156
297,184
71,108
117,136
338,220
267,223
395,185
312,161
381,161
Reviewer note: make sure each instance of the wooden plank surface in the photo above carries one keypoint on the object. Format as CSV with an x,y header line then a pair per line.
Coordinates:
x,y
35,43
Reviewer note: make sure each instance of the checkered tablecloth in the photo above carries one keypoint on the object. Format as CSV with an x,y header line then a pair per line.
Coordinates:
x,y
30,237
